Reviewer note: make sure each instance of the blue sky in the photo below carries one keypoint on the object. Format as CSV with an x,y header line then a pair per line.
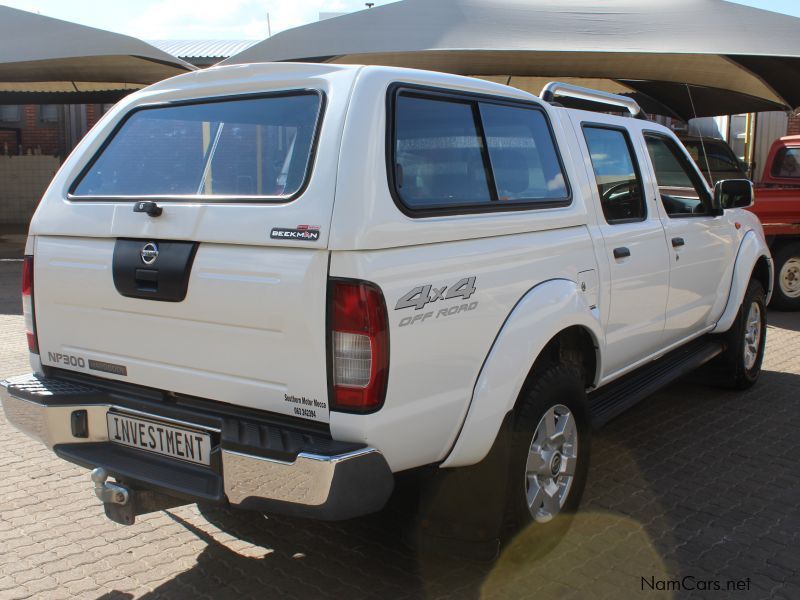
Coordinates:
x,y
224,19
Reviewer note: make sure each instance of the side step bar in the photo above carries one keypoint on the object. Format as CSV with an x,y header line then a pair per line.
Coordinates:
x,y
615,398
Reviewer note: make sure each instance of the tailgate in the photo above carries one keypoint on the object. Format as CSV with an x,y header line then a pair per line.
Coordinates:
x,y
250,331
183,246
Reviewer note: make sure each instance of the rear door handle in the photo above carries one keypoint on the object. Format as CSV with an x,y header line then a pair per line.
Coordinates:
x,y
677,241
621,252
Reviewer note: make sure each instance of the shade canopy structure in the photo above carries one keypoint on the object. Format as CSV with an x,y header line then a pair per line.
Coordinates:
x,y
679,57
45,60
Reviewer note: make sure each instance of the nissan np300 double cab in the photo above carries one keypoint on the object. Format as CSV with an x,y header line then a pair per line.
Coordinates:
x,y
277,286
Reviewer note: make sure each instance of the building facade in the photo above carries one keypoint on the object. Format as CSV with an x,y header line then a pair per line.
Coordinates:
x,y
35,138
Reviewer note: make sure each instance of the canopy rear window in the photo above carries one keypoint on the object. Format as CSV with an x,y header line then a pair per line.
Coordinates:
x,y
247,149
787,163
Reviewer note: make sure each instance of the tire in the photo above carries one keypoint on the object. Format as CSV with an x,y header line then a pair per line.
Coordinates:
x,y
555,396
746,339
786,295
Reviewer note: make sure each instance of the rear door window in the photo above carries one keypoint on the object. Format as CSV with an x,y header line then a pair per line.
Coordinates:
x,y
464,154
238,150
617,174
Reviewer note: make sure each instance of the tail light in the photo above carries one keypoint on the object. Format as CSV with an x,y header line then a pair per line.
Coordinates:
x,y
359,338
27,304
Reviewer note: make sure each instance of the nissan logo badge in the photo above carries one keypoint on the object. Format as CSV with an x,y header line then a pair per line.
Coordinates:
x,y
149,253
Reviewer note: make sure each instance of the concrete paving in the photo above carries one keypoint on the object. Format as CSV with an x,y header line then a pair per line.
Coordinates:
x,y
692,489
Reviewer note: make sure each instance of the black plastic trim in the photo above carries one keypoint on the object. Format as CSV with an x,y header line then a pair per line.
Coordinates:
x,y
165,280
614,398
488,168
183,199
474,98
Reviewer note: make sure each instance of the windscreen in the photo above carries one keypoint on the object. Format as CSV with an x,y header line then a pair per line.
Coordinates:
x,y
232,150
721,160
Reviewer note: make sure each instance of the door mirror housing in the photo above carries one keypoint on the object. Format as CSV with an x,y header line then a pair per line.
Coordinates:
x,y
733,193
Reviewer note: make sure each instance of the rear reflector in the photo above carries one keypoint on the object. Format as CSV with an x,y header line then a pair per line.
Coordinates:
x,y
359,346
27,304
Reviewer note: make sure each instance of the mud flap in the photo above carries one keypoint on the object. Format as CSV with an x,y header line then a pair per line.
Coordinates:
x,y
461,510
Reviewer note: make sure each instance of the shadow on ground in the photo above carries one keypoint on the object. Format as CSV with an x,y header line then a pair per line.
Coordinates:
x,y
696,484
789,320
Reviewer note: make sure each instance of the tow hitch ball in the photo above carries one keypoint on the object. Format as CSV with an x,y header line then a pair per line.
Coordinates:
x,y
122,503
112,493
117,499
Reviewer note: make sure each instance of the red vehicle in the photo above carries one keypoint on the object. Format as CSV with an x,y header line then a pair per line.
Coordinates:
x,y
777,205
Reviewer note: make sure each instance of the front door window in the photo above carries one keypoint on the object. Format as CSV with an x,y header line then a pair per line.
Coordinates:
x,y
682,191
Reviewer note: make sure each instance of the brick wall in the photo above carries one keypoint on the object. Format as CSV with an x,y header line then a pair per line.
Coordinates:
x,y
38,136
24,180
8,141
794,125
93,114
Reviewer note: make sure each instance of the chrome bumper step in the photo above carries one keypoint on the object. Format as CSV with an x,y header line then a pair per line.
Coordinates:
x,y
255,463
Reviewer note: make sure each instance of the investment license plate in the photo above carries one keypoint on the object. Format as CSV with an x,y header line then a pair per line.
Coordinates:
x,y
159,437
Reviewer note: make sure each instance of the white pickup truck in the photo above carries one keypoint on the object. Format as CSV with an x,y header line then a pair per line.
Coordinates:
x,y
277,286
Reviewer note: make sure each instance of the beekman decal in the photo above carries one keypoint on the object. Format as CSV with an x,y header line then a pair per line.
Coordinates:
x,y
303,233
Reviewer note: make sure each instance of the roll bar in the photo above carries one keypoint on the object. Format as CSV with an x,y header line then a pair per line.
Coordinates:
x,y
556,88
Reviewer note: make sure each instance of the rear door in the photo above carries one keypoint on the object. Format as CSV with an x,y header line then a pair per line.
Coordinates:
x,y
633,240
222,295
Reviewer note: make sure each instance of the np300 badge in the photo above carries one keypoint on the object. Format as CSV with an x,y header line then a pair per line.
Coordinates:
x,y
149,253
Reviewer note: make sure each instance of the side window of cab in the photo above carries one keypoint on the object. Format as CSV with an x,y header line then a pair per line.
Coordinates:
x,y
682,190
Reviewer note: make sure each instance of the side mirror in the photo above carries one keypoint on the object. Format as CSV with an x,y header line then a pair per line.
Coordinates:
x,y
733,193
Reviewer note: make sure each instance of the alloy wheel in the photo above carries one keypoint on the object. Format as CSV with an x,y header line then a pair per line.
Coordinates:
x,y
550,467
752,335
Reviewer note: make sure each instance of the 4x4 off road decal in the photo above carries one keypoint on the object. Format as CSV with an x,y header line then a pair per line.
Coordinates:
x,y
422,295
303,233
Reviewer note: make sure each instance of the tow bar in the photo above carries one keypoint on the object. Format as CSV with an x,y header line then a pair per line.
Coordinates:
x,y
123,504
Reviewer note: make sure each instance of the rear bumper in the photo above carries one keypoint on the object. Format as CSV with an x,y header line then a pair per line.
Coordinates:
x,y
255,464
